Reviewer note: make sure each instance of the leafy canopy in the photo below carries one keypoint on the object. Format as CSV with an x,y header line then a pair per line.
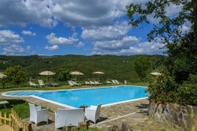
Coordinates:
x,y
178,33
142,64
169,28
15,75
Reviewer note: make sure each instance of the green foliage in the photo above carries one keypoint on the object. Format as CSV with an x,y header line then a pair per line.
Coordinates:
x,y
64,76
115,67
178,84
20,106
15,75
166,90
168,27
142,64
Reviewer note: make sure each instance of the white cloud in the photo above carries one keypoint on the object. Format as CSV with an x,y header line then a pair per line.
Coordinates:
x,y
20,12
28,47
185,28
112,32
8,36
52,39
13,49
144,48
173,10
128,46
84,13
80,44
54,47
28,33
116,45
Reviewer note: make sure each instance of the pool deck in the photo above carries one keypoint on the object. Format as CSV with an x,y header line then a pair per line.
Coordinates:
x,y
133,113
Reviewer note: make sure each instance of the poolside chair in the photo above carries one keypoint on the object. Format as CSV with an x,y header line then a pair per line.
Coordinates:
x,y
87,83
68,117
71,83
93,113
113,82
97,83
75,83
37,114
53,84
108,82
92,83
33,84
41,83
117,82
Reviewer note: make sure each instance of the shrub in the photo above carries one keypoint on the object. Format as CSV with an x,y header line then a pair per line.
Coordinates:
x,y
165,90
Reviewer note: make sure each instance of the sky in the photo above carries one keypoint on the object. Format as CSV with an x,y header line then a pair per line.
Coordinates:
x,y
81,27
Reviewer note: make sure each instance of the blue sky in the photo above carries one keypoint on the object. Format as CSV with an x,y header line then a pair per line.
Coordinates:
x,y
61,27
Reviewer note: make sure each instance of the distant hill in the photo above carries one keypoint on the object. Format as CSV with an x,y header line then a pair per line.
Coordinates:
x,y
115,67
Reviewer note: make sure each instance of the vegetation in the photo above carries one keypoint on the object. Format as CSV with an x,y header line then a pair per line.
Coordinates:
x,y
176,84
20,106
115,67
142,64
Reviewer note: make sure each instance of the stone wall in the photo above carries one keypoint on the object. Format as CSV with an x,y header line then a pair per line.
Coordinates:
x,y
182,117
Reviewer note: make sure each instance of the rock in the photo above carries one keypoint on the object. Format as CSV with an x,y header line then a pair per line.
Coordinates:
x,y
66,128
125,127
113,128
83,125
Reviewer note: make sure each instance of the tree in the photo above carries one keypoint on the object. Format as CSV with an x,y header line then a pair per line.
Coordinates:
x,y
176,85
142,64
15,75
168,27
64,76
181,44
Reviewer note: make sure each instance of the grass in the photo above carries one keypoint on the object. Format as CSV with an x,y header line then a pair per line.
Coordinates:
x,y
140,83
20,106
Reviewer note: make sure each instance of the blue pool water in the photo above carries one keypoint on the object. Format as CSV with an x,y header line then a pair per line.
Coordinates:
x,y
91,96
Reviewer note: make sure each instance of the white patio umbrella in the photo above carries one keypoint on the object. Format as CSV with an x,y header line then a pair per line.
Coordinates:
x,y
155,73
47,73
98,73
2,75
77,73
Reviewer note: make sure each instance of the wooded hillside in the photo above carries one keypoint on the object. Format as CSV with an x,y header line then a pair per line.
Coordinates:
x,y
115,67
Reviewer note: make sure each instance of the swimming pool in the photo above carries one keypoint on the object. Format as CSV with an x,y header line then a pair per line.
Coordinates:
x,y
74,98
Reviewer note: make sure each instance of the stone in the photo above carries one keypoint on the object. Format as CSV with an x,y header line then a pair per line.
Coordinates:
x,y
83,125
113,128
66,128
180,116
125,127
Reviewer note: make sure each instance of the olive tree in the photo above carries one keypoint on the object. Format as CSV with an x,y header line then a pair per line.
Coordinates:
x,y
15,75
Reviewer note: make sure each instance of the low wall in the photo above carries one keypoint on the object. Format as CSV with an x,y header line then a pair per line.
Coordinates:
x,y
182,117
